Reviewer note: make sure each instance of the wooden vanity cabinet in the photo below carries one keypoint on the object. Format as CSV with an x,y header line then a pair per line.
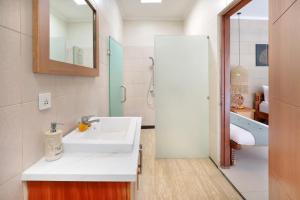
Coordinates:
x,y
76,190
46,190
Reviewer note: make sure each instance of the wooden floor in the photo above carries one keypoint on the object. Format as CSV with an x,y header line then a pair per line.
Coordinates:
x,y
180,179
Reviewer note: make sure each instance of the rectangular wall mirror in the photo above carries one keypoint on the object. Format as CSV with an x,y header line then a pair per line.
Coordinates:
x,y
65,37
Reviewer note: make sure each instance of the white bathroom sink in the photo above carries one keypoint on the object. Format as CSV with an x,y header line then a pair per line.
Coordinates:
x,y
110,135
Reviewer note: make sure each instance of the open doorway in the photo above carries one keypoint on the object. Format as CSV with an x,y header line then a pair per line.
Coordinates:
x,y
244,125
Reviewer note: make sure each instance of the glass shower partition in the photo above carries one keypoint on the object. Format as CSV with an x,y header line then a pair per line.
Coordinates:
x,y
117,92
181,96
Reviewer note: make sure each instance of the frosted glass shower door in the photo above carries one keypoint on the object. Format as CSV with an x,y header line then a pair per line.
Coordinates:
x,y
116,88
181,88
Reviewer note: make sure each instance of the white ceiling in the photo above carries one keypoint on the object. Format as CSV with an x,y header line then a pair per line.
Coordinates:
x,y
256,9
70,11
167,10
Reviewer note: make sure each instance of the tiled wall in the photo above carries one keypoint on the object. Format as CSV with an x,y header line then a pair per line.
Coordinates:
x,y
252,32
138,47
137,76
21,123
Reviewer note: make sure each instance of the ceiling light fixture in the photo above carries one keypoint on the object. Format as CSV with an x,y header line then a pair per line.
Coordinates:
x,y
151,1
80,2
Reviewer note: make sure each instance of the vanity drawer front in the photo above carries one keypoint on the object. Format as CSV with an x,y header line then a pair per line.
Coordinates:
x,y
44,190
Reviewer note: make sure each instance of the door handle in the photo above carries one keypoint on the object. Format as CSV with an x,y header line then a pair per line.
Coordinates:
x,y
124,94
140,165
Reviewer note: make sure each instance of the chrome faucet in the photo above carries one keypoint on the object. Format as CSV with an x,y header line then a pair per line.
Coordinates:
x,y
86,120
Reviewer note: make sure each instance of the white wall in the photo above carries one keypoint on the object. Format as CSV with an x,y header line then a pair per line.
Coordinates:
x,y
80,34
111,22
67,34
138,47
58,26
141,33
203,20
252,32
58,36
22,124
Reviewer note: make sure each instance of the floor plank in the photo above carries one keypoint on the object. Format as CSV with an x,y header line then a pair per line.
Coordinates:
x,y
180,179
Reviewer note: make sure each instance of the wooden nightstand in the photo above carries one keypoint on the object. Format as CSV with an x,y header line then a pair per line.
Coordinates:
x,y
246,112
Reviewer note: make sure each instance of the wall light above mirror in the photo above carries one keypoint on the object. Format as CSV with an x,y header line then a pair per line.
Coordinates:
x,y
151,1
80,2
66,37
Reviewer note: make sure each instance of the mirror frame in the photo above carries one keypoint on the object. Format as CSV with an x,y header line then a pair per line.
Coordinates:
x,y
41,44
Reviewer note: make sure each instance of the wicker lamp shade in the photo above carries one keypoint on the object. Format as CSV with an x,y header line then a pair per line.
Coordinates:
x,y
239,86
239,80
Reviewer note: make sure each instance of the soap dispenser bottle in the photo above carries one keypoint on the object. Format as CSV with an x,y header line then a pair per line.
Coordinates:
x,y
53,143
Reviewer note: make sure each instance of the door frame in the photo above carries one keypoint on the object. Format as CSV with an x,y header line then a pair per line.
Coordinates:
x,y
225,81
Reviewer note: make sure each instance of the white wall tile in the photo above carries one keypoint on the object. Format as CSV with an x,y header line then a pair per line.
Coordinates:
x,y
9,67
136,90
10,142
104,105
26,17
104,45
138,47
64,85
103,79
9,48
32,84
68,112
137,75
10,14
72,96
12,189
10,83
34,124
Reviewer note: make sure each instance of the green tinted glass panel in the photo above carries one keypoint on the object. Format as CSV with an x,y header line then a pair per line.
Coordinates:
x,y
115,78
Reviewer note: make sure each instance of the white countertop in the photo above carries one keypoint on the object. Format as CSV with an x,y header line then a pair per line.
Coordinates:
x,y
93,167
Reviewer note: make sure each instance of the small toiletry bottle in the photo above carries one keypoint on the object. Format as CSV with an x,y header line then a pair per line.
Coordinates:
x,y
83,127
53,143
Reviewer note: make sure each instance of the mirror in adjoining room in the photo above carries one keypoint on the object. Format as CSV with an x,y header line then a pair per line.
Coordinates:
x,y
66,37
